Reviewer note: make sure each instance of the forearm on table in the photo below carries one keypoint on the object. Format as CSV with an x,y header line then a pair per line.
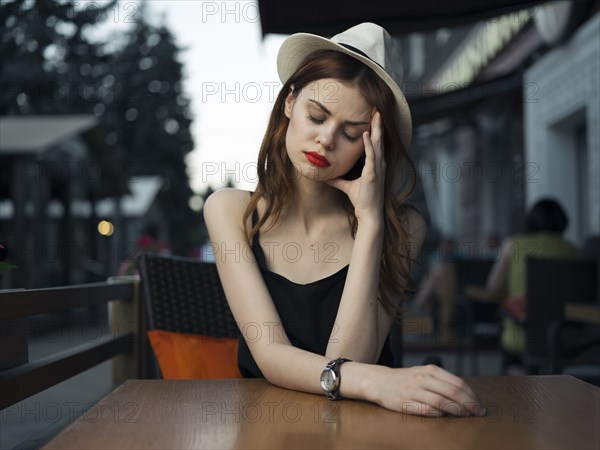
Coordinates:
x,y
355,333
293,368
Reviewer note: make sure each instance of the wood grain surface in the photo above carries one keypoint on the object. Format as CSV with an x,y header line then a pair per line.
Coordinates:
x,y
535,412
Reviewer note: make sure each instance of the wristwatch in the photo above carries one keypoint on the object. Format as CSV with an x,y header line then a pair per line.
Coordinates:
x,y
330,379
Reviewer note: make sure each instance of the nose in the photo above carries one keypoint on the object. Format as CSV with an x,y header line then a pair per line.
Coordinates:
x,y
326,138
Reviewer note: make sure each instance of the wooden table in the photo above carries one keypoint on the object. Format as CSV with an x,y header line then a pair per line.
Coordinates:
x,y
523,412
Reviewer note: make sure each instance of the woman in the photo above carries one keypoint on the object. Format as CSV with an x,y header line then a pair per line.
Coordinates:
x,y
314,263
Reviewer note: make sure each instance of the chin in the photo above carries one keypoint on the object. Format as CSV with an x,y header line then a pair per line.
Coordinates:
x,y
316,173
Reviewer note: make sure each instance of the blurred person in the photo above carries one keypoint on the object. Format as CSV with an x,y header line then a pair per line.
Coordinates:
x,y
437,282
542,237
336,141
436,291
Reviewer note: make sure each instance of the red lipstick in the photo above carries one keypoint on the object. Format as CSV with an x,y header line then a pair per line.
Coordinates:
x,y
316,159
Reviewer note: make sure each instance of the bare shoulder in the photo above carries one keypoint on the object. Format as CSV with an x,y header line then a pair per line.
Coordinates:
x,y
226,204
226,199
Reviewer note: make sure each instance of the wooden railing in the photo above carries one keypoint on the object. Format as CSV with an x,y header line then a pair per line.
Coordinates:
x,y
21,378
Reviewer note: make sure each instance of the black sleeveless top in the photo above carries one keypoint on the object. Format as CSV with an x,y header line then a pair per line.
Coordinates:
x,y
307,313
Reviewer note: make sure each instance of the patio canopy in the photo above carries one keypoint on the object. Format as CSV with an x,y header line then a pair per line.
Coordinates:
x,y
21,135
330,17
34,137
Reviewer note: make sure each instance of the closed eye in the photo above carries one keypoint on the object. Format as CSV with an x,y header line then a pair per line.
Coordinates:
x,y
320,121
350,138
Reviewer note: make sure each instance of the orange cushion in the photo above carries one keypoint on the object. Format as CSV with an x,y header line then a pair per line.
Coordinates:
x,y
182,356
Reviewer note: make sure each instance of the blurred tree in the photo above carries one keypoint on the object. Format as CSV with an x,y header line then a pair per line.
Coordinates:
x,y
50,66
153,121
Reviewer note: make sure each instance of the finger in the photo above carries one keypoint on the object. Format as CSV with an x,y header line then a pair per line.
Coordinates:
x,y
455,381
459,393
369,153
437,391
442,403
369,150
377,135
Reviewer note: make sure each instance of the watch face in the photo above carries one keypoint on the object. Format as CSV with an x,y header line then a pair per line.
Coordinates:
x,y
328,380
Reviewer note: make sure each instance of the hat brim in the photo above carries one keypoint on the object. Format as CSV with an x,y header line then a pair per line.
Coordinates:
x,y
295,49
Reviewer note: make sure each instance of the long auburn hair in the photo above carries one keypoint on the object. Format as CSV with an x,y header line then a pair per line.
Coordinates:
x,y
276,173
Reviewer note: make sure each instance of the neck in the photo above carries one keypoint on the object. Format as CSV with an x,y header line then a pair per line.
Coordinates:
x,y
315,203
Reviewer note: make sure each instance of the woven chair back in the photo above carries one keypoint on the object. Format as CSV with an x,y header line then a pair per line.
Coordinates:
x,y
185,295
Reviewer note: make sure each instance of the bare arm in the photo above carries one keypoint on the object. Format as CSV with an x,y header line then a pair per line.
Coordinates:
x,y
250,302
355,331
497,281
429,287
362,323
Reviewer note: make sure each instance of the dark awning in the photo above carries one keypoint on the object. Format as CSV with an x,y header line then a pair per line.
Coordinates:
x,y
330,17
428,109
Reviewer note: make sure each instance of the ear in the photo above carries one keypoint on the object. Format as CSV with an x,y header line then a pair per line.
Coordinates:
x,y
289,103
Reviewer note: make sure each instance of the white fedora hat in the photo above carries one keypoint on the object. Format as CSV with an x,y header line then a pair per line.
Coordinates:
x,y
367,42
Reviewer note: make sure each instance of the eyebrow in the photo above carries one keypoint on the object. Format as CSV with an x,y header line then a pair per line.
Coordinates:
x,y
326,111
